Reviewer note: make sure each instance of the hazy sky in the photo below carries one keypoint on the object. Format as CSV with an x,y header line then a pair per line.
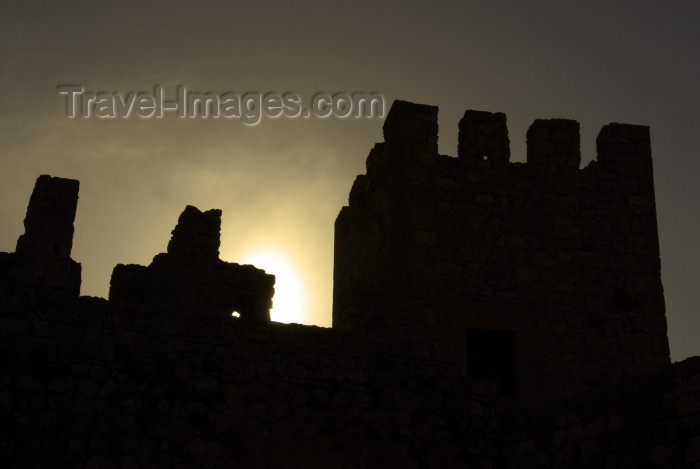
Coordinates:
x,y
281,184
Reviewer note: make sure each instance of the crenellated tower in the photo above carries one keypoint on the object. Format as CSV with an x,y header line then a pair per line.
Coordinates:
x,y
541,275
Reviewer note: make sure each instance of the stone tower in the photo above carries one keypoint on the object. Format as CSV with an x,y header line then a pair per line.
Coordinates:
x,y
541,275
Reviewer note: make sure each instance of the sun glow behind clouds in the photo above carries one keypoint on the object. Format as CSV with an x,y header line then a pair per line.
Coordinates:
x,y
288,301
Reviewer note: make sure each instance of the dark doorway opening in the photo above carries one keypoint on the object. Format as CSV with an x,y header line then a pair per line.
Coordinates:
x,y
491,356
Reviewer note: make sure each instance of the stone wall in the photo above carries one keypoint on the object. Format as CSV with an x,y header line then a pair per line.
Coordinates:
x,y
565,259
162,375
468,291
91,394
651,421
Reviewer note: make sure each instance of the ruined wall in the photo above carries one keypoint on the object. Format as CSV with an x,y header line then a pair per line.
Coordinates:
x,y
161,375
40,271
190,280
565,259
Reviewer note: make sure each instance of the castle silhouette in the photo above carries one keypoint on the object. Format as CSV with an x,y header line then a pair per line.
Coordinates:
x,y
486,314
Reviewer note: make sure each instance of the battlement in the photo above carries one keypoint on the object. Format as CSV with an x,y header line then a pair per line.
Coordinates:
x,y
433,246
551,143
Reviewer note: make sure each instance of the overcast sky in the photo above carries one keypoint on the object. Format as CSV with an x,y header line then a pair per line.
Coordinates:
x,y
281,184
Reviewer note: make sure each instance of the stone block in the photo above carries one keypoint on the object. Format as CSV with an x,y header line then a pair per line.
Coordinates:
x,y
483,135
554,143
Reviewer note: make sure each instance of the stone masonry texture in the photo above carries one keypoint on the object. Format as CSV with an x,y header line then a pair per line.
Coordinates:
x,y
486,314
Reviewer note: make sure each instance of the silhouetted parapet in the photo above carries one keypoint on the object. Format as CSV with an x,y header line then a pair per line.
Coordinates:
x,y
483,134
197,234
554,143
191,279
130,286
41,270
625,148
48,225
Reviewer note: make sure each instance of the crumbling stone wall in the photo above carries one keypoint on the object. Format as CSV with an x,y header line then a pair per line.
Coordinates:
x,y
191,279
565,258
41,271
161,375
